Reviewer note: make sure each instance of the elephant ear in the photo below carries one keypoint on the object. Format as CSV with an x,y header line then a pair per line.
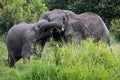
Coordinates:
x,y
74,21
77,25
45,16
37,26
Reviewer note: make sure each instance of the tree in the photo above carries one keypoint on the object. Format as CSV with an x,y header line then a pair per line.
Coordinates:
x,y
56,4
13,12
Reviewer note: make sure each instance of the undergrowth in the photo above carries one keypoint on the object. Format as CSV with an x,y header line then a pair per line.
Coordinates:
x,y
87,61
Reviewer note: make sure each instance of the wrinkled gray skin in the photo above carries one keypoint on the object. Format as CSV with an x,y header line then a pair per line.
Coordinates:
x,y
76,27
22,38
71,25
95,27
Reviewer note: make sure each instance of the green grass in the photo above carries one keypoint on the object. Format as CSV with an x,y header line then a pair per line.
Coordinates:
x,y
69,62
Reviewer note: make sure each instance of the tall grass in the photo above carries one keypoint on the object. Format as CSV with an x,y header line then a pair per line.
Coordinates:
x,y
87,61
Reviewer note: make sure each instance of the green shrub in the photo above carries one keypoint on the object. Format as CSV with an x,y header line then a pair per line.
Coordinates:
x,y
13,12
115,28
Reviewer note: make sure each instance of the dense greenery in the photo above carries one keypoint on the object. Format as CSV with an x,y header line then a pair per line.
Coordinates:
x,y
69,62
15,11
115,29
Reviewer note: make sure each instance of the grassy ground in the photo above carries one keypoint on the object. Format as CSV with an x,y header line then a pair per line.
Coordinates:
x,y
69,62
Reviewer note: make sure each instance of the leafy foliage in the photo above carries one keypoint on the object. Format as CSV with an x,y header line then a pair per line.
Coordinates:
x,y
57,4
115,28
15,11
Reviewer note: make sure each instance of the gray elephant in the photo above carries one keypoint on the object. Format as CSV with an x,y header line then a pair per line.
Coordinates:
x,y
76,27
22,38
95,27
72,26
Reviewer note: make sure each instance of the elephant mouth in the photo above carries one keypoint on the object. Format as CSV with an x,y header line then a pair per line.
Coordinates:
x,y
52,26
59,27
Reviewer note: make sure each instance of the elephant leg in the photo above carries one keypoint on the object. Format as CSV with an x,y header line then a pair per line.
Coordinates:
x,y
107,41
17,58
96,39
26,52
11,59
11,56
77,38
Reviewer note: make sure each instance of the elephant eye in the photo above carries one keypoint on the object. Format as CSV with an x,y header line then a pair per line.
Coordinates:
x,y
38,26
63,20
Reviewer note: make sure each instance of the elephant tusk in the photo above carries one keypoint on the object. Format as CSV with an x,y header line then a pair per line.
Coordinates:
x,y
51,31
62,29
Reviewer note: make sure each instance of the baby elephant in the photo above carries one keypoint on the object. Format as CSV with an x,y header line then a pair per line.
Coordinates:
x,y
22,37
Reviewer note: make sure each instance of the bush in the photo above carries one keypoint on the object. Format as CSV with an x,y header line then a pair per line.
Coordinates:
x,y
13,12
115,28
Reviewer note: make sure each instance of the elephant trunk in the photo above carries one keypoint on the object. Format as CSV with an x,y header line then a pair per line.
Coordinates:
x,y
57,25
53,25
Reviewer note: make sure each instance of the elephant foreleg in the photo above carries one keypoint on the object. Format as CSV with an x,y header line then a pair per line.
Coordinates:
x,y
26,52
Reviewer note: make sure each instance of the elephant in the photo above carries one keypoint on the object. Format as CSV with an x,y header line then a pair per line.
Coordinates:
x,y
72,26
95,27
77,27
22,38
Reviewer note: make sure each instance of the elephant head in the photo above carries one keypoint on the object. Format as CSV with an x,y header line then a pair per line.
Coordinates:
x,y
45,28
